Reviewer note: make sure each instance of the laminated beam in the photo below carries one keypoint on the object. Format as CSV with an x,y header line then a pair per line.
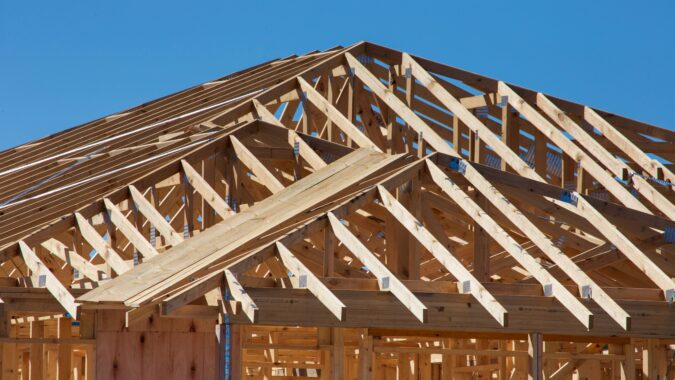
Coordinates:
x,y
257,167
468,282
386,279
124,225
154,217
206,191
40,271
103,249
309,280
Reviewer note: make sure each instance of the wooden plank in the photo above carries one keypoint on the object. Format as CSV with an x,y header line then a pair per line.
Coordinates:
x,y
392,101
501,203
618,167
336,116
309,280
503,238
124,225
387,280
60,250
155,218
441,253
257,167
206,191
651,166
102,247
535,351
55,287
239,294
306,152
571,149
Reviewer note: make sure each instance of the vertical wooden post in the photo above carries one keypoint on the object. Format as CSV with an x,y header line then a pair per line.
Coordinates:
x,y
653,360
510,131
236,353
329,98
64,355
329,251
449,361
540,150
36,351
534,351
628,365
9,355
338,354
481,253
415,208
365,356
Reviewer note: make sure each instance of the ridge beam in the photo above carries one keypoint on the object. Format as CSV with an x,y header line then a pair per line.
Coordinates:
x,y
239,294
135,237
336,116
257,167
447,259
653,167
206,191
53,285
155,218
307,279
516,251
60,250
305,151
586,285
102,247
615,165
386,279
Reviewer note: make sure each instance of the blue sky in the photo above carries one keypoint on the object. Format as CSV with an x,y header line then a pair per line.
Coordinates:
x,y
68,62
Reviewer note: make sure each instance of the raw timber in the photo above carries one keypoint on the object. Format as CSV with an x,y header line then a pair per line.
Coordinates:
x,y
353,213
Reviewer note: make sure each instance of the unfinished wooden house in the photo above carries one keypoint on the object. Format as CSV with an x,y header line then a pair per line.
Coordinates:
x,y
353,213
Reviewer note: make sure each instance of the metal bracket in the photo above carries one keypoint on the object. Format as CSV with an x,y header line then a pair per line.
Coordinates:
x,y
669,235
586,292
384,283
569,197
457,164
466,287
548,290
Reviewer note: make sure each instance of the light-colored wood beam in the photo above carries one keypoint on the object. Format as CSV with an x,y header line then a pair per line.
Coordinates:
x,y
308,280
154,217
551,286
257,167
386,279
124,225
239,294
206,191
39,272
468,282
101,246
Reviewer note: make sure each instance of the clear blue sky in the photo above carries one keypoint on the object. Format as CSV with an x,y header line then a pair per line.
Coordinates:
x,y
63,63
